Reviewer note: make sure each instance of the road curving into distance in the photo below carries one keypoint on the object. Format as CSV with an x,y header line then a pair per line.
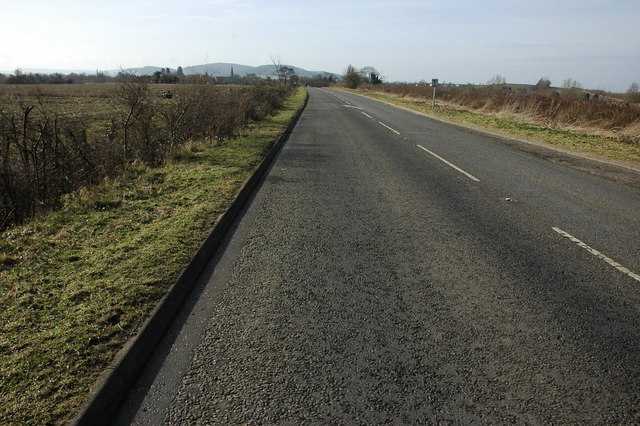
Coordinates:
x,y
393,268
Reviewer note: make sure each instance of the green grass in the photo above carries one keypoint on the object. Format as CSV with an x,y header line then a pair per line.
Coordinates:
x,y
517,128
78,282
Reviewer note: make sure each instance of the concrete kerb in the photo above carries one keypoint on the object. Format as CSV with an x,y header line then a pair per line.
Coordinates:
x,y
112,387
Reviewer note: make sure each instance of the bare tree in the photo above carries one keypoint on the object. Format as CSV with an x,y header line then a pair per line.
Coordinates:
x,y
497,79
570,83
633,92
133,101
371,75
283,72
352,77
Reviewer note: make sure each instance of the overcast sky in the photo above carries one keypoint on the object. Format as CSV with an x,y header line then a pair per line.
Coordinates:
x,y
596,42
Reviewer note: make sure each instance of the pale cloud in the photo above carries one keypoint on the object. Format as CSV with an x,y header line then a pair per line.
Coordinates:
x,y
231,4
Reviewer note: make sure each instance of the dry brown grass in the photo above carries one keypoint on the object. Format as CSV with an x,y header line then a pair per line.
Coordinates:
x,y
558,109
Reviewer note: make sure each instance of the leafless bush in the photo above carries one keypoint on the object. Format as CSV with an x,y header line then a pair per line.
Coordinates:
x,y
42,157
44,154
633,93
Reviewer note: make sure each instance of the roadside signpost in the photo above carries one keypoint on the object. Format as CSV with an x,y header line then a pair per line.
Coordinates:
x,y
434,84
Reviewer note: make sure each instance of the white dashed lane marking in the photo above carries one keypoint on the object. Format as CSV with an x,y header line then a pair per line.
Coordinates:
x,y
597,254
450,164
393,130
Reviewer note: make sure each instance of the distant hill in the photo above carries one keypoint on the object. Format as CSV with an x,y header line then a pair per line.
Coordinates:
x,y
222,69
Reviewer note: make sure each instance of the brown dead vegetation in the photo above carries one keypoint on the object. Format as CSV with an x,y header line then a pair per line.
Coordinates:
x,y
561,109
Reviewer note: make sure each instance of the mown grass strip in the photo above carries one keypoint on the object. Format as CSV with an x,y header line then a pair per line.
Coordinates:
x,y
517,128
79,282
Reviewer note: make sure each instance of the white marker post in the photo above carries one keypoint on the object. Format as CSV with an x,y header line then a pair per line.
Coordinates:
x,y
434,84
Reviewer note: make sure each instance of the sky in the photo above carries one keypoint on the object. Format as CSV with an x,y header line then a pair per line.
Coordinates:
x,y
596,42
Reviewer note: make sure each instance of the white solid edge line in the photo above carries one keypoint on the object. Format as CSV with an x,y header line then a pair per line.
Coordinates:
x,y
596,253
367,114
393,130
469,175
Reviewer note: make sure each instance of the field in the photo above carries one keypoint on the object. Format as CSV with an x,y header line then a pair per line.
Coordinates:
x,y
85,99
602,126
79,280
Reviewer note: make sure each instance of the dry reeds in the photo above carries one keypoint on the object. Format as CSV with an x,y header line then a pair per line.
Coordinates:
x,y
569,109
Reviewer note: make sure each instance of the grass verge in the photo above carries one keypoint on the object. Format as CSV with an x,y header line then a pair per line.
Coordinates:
x,y
509,126
78,282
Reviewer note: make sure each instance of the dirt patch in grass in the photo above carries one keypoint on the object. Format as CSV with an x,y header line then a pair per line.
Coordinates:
x,y
78,282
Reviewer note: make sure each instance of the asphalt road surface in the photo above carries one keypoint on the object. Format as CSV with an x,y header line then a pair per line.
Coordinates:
x,y
393,268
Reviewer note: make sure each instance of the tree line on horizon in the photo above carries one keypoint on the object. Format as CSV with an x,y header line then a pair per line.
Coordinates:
x,y
352,78
283,74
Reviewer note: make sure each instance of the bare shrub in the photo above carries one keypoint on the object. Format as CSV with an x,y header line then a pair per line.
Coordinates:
x,y
132,104
633,93
543,84
44,154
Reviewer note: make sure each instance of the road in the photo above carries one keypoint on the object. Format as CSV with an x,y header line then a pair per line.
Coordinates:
x,y
393,268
